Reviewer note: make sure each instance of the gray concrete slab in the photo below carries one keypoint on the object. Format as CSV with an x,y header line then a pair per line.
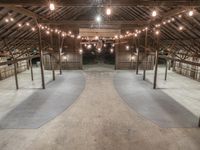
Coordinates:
x,y
152,104
44,105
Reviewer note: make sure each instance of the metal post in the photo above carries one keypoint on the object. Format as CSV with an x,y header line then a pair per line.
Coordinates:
x,y
166,68
60,62
145,54
41,58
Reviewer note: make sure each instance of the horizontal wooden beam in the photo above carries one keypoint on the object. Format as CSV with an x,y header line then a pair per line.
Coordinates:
x,y
89,22
116,3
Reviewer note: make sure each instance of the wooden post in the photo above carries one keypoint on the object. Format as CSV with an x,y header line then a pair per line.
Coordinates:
x,y
15,65
51,58
41,58
166,68
60,49
156,64
117,53
145,54
31,66
137,62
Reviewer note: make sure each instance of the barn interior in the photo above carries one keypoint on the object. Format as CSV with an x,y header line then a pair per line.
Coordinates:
x,y
99,74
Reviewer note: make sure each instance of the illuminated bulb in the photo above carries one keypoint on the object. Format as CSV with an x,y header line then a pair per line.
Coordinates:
x,y
154,13
127,47
19,24
65,57
56,30
111,50
96,37
164,22
69,32
33,29
89,46
146,28
47,32
113,45
132,58
51,6
104,45
191,13
78,37
63,34
181,28
173,19
99,50
6,20
28,24
127,32
135,35
169,21
42,27
11,19
157,32
116,37
98,18
108,11
80,51
179,16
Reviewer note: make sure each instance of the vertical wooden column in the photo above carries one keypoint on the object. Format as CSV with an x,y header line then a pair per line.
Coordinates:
x,y
145,54
166,68
117,46
60,50
51,58
137,62
156,64
31,66
41,57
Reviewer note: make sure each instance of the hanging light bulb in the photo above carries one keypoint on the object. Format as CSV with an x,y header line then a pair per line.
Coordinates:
x,y
28,24
33,29
127,47
179,16
111,50
19,24
6,20
98,18
80,51
191,13
154,13
96,37
51,6
78,37
11,19
104,45
157,32
47,32
181,28
99,50
108,11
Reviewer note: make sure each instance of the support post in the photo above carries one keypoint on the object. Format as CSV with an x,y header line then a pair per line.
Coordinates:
x,y
145,54
52,67
166,68
41,58
51,58
155,71
31,66
156,64
137,62
60,49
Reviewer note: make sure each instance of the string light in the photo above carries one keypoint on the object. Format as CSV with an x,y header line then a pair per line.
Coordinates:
x,y
111,50
191,13
98,18
33,29
99,50
47,32
154,13
108,11
157,32
6,20
19,25
181,28
11,19
51,6
127,47
28,24
80,51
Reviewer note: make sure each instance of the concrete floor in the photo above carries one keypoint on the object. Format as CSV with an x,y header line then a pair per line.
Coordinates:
x,y
98,119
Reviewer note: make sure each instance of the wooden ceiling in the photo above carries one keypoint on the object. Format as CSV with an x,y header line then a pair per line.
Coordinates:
x,y
126,15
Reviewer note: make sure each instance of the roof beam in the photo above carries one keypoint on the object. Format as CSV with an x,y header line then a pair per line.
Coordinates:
x,y
116,3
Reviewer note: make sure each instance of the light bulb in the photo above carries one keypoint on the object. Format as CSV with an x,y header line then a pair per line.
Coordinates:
x,y
191,13
154,13
108,11
51,6
127,47
98,18
80,51
181,28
